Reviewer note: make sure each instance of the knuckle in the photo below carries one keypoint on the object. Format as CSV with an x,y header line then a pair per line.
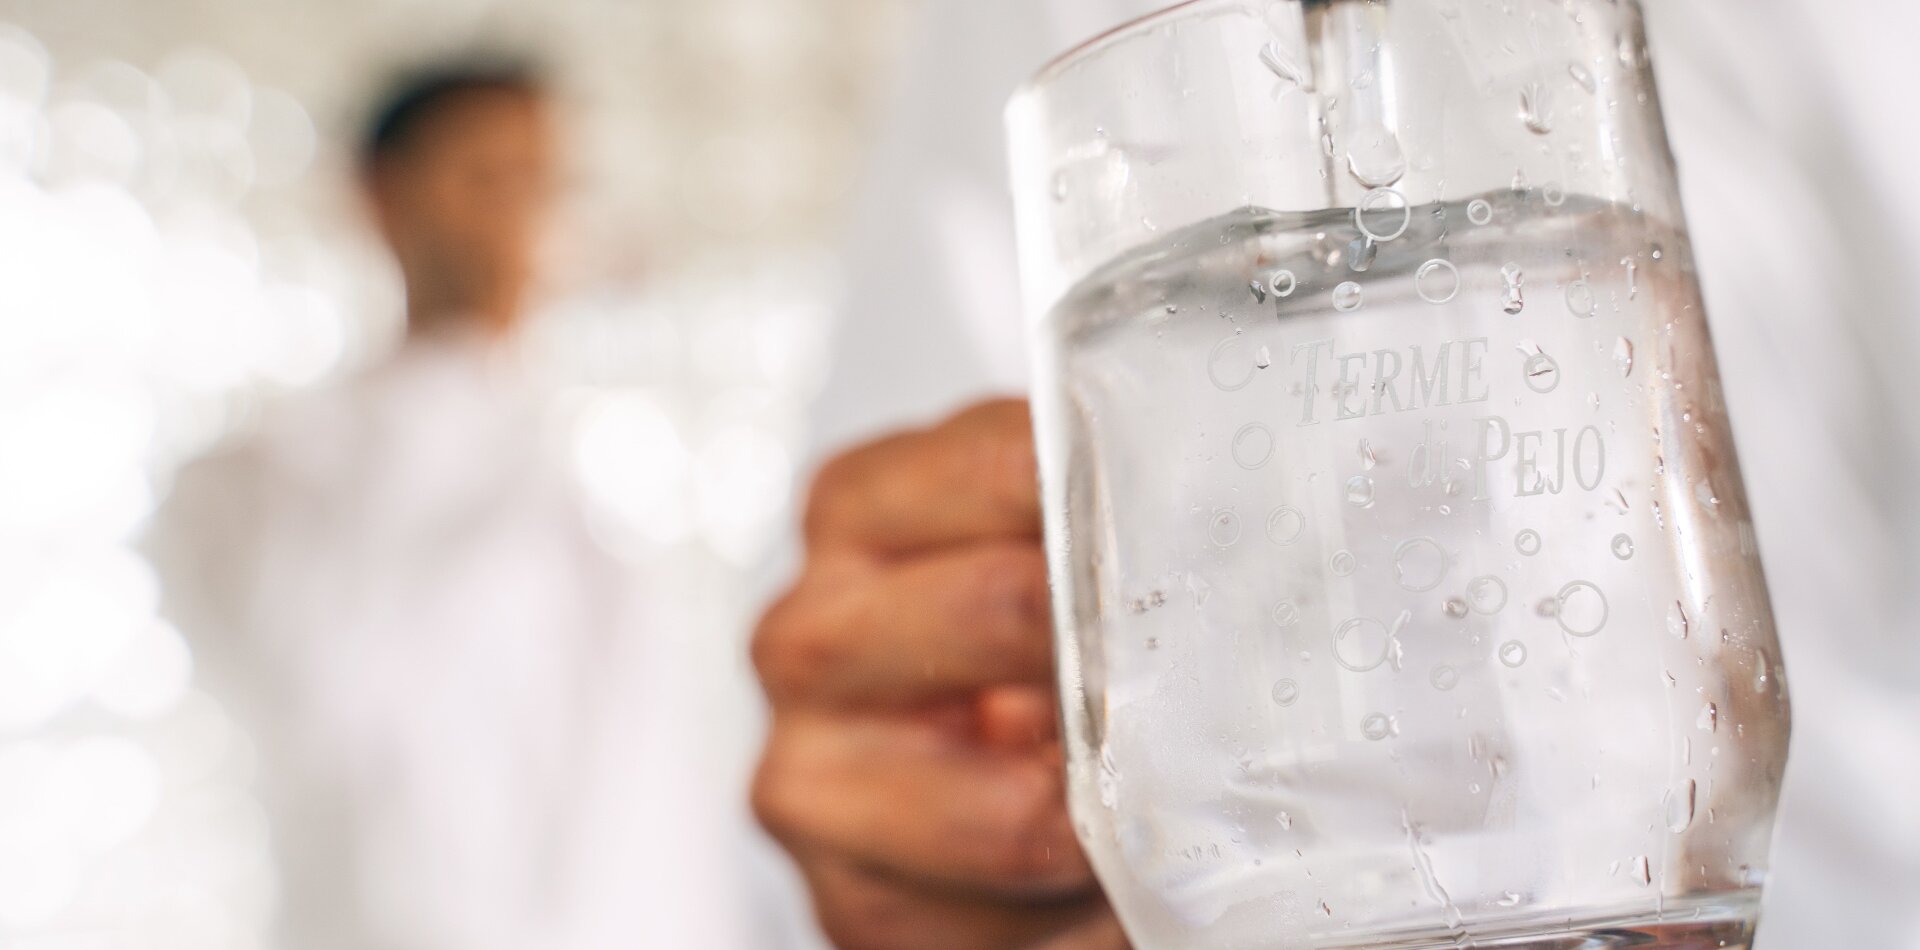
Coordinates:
x,y
772,796
1012,582
1034,842
793,647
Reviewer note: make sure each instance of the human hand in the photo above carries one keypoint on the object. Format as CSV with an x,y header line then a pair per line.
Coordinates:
x,y
913,767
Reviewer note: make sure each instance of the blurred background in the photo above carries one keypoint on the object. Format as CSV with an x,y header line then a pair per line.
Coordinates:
x,y
187,268
181,245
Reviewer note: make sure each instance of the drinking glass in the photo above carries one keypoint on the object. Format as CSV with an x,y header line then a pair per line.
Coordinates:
x,y
1405,586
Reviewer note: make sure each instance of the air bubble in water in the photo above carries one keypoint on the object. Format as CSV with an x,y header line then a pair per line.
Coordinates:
x,y
1286,693
1623,355
1513,653
1536,107
1479,211
1680,806
1580,298
1347,297
1513,296
1360,491
1437,281
1376,726
1622,546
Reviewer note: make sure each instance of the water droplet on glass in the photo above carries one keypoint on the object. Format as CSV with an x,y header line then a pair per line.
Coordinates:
x,y
1437,281
1527,542
1455,607
1444,678
1762,671
1286,693
1677,622
1513,653
1479,211
1360,491
1509,899
1282,283
1374,156
1347,297
1709,720
1623,355
1536,107
1580,298
1680,806
1622,546
1703,493
1282,64
1060,186
1285,820
1547,607
1259,291
1583,76
1361,253
1642,870
1513,296
1325,909
1224,528
1376,727
1633,279
1368,460
1263,357
1542,373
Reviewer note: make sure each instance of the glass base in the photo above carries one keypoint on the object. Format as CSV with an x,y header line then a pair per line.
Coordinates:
x,y
1724,922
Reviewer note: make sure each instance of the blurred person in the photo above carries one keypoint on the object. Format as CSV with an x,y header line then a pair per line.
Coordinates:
x,y
469,723
912,766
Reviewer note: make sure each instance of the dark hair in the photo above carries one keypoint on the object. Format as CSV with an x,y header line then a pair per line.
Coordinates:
x,y
414,99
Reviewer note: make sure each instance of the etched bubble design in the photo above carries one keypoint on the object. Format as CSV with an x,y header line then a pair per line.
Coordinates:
x,y
1286,693
1527,542
1581,609
1252,446
1383,215
1437,281
1622,546
1487,594
1343,563
1513,653
1479,211
1419,564
1444,678
1361,644
1285,524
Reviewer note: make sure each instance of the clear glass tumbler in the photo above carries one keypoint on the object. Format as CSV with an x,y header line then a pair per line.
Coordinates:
x,y
1406,590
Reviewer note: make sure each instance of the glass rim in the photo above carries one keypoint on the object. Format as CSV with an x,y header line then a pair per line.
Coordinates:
x,y
1104,39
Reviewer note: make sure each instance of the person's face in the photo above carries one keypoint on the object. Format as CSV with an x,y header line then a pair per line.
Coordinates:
x,y
463,202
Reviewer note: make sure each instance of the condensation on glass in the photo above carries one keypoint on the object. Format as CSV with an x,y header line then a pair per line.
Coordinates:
x,y
1406,589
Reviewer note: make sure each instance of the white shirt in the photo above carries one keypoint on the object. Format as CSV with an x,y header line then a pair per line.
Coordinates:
x,y
476,728
1795,135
